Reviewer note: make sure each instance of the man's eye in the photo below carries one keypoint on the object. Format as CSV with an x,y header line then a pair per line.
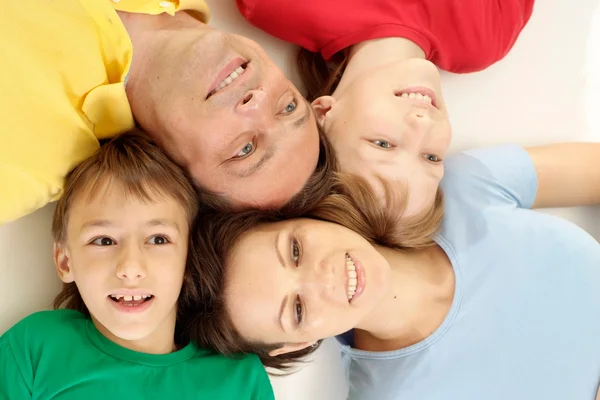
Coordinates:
x,y
291,107
103,241
246,150
382,143
158,240
432,158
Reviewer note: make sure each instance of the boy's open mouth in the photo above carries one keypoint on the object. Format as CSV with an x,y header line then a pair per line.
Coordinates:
x,y
130,301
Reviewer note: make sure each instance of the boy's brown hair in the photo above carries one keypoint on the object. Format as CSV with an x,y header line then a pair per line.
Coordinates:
x,y
134,164
350,203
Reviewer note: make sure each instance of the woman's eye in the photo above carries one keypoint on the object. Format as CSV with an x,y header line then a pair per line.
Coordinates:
x,y
246,150
382,143
158,240
295,252
103,241
298,310
432,158
291,107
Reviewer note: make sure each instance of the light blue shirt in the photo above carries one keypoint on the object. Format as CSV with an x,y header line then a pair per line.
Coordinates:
x,y
525,320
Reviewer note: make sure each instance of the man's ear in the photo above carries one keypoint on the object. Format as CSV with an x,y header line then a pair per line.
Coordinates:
x,y
290,348
322,105
63,263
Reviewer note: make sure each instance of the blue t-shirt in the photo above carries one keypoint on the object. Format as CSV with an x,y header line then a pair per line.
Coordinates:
x,y
525,319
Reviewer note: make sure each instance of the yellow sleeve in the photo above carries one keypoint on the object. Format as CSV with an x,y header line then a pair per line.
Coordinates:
x,y
22,193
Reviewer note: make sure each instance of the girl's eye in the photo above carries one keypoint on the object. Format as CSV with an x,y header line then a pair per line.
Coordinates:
x,y
382,143
103,241
432,158
298,310
158,240
291,107
295,251
246,150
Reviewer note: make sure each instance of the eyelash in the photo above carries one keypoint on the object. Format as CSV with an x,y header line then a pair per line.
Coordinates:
x,y
298,306
426,157
382,141
295,103
238,156
114,242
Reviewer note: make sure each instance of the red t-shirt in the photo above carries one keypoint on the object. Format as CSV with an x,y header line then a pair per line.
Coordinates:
x,y
456,35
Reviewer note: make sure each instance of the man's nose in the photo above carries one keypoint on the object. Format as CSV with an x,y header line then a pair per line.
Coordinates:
x,y
253,102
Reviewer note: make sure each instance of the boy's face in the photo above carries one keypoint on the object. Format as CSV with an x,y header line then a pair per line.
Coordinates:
x,y
127,257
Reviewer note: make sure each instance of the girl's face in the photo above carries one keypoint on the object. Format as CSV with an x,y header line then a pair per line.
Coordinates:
x,y
391,123
299,281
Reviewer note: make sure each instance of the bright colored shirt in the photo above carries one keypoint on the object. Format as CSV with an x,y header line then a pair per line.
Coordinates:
x,y
525,320
60,354
456,35
64,63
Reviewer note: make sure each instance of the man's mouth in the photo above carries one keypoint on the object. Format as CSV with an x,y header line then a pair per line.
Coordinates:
x,y
229,79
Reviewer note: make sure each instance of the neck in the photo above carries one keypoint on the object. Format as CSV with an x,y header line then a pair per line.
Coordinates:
x,y
161,341
372,54
421,295
158,43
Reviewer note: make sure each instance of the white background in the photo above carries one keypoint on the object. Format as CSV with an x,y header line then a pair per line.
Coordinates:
x,y
546,90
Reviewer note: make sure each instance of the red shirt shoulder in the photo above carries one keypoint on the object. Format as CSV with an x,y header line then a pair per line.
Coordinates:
x,y
457,35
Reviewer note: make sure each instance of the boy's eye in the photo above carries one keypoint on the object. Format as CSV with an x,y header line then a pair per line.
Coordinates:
x,y
432,158
298,311
382,143
158,240
103,241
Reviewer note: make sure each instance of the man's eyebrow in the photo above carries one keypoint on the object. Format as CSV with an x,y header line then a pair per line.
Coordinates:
x,y
252,169
305,117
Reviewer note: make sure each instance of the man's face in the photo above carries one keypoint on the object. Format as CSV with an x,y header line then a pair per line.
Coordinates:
x,y
237,124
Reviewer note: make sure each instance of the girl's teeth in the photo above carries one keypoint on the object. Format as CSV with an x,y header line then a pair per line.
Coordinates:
x,y
417,96
137,298
128,298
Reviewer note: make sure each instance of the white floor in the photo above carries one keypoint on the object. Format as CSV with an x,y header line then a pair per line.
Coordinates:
x,y
547,90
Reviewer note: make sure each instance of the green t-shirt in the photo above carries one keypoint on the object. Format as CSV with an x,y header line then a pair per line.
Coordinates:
x,y
60,354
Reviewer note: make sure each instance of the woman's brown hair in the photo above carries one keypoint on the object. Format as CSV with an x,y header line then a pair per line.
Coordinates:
x,y
351,203
133,163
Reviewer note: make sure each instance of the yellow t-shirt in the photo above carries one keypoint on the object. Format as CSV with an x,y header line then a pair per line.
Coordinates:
x,y
62,75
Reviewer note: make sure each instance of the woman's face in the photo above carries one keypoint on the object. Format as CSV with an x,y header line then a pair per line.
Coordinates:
x,y
391,123
299,281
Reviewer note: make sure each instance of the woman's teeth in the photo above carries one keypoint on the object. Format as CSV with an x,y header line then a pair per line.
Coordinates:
x,y
232,77
417,96
352,281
